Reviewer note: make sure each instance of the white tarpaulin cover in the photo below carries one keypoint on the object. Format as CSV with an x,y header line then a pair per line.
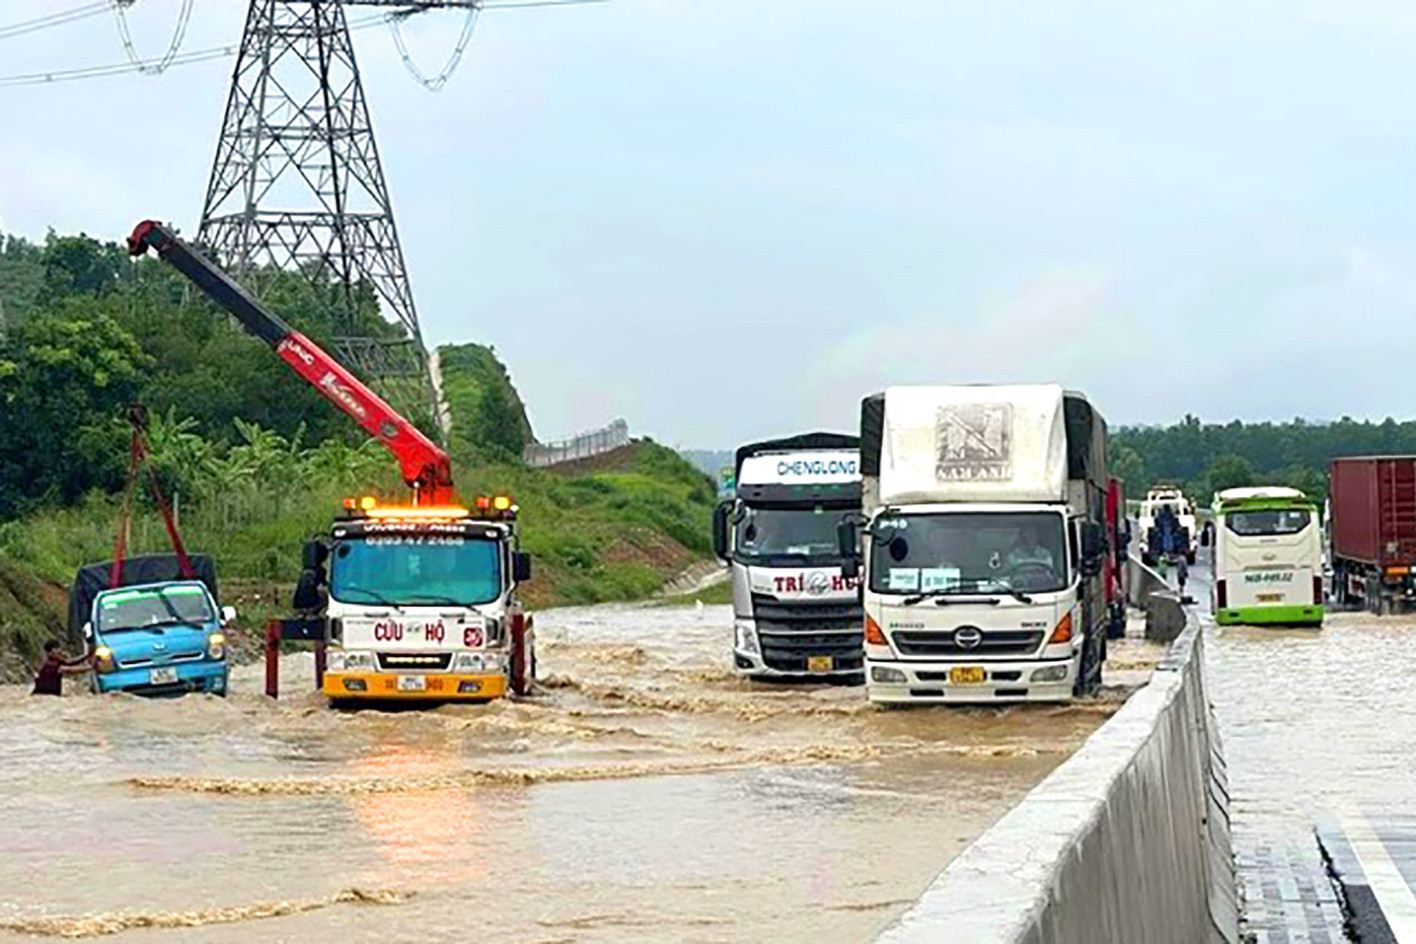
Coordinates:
x,y
973,443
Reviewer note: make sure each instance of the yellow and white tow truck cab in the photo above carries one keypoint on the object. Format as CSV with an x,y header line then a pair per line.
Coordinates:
x,y
420,602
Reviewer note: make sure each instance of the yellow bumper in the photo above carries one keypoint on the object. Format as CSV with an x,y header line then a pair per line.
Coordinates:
x,y
357,685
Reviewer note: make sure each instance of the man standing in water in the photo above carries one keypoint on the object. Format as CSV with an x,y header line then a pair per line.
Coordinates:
x,y
48,678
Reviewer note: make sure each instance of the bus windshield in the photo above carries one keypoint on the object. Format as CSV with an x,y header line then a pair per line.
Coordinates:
x,y
1267,522
414,570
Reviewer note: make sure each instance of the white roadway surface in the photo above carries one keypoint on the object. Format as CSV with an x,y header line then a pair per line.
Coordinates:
x,y
645,795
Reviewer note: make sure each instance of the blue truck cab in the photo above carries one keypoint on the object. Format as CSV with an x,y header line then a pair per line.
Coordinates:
x,y
161,638
160,631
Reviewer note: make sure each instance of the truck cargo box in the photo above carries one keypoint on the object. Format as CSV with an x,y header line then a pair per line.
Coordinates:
x,y
981,443
1373,508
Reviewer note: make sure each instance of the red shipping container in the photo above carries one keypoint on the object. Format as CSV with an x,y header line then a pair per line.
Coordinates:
x,y
1373,508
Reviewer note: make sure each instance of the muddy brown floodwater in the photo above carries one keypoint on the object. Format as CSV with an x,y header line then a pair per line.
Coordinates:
x,y
645,794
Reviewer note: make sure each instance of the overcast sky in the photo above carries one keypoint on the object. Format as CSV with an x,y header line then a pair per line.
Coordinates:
x,y
726,219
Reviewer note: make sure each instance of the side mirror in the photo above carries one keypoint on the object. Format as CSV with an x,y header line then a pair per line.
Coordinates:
x,y
316,553
521,567
850,568
848,538
722,515
1204,537
308,594
1093,540
228,615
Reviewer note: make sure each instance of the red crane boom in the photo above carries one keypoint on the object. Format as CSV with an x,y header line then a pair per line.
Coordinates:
x,y
425,465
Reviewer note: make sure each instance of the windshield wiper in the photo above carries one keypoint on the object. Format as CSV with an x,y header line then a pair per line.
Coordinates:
x,y
434,598
378,598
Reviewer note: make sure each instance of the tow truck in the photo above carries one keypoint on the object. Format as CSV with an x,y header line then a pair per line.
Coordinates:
x,y
403,601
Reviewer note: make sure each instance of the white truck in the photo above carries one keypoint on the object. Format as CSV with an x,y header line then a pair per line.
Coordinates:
x,y
421,604
984,548
794,613
1158,498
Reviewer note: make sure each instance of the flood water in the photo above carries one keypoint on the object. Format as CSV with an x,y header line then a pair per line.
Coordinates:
x,y
644,795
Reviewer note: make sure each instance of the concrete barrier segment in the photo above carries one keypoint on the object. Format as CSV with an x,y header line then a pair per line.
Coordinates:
x,y
1126,842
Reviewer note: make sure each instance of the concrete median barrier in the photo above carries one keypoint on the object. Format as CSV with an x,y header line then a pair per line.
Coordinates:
x,y
1127,841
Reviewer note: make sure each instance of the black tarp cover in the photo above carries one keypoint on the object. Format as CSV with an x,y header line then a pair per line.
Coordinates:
x,y
152,568
1086,440
872,431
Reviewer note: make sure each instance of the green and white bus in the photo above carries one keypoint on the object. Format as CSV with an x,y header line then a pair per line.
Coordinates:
x,y
1268,557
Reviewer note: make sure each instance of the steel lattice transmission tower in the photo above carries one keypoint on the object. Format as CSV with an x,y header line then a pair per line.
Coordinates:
x,y
297,182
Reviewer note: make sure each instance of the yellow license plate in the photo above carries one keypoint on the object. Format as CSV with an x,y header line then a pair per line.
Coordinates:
x,y
967,675
820,663
1270,597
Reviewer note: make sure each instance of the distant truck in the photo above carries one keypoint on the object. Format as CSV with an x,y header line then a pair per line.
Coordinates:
x,y
155,632
987,554
1166,522
794,613
1372,550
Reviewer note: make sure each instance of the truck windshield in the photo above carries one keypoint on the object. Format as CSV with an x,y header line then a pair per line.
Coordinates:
x,y
412,570
142,609
1257,523
795,533
968,552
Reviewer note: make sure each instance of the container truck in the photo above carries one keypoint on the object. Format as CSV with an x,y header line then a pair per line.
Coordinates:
x,y
1373,531
1268,565
984,544
794,612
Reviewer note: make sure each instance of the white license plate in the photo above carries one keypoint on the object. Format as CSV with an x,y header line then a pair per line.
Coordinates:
x,y
412,683
162,677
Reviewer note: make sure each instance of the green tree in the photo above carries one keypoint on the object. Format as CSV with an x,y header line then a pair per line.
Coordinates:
x,y
63,387
1230,471
499,423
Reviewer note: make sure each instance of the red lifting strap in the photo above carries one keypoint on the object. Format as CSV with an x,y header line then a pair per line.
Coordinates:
x,y
137,456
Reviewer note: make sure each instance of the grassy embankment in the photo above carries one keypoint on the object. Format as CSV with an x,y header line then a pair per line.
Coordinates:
x,y
615,529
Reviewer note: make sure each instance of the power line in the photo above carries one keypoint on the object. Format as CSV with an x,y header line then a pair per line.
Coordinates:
x,y
55,19
436,83
146,67
184,17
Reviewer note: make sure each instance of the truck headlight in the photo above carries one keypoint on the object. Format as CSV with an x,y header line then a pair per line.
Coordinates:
x,y
1051,673
467,662
358,661
746,637
494,662
886,675
103,659
216,646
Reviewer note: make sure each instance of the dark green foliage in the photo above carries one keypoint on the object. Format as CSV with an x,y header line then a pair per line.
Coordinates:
x,y
1204,458
488,418
63,385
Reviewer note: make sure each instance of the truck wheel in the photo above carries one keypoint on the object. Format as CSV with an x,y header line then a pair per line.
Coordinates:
x,y
1190,558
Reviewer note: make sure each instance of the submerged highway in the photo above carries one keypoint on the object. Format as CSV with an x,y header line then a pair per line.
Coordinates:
x,y
645,795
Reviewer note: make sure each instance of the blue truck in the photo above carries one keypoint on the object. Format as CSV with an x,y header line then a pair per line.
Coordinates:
x,y
159,631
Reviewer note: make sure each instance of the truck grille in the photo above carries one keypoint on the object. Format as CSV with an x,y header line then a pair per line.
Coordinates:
x,y
1004,642
415,661
787,652
773,615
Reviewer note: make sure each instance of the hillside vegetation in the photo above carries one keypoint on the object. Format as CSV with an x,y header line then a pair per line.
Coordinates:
x,y
256,461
